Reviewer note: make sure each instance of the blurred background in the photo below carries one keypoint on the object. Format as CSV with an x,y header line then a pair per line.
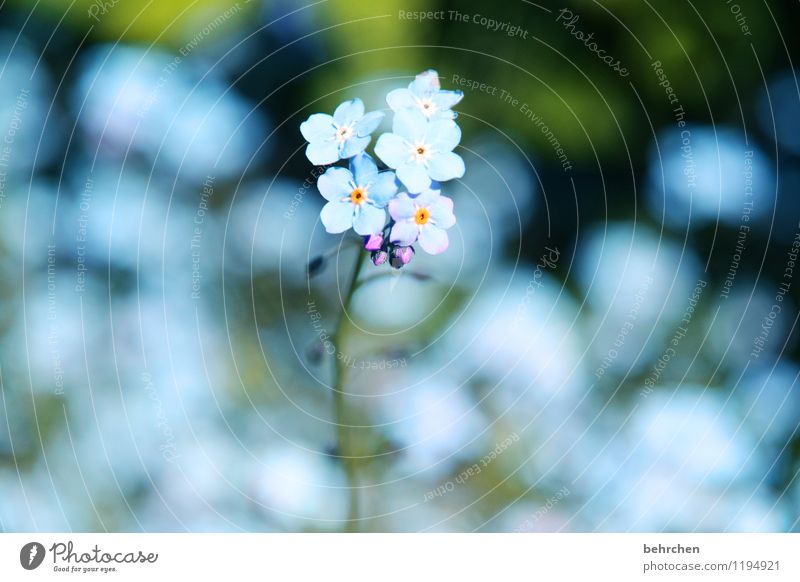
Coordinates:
x,y
609,344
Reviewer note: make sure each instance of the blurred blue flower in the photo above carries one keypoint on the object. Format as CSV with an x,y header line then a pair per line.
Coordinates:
x,y
425,218
31,126
705,174
420,150
341,136
779,111
356,197
769,403
183,120
425,94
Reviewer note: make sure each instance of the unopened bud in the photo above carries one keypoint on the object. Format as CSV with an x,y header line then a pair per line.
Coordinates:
x,y
379,257
401,256
373,242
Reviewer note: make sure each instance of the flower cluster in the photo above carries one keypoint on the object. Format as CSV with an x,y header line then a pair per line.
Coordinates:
x,y
419,156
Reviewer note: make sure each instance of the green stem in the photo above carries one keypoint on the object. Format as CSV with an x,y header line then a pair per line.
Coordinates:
x,y
344,430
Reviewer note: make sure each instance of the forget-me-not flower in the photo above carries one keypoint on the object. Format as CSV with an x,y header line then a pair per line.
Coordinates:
x,y
425,94
421,150
424,218
356,197
339,136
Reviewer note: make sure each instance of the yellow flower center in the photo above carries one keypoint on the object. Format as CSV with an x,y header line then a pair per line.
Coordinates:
x,y
421,216
358,196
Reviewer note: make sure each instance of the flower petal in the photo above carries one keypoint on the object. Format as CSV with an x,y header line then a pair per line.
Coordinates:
x,y
322,153
427,197
401,208
383,188
369,219
443,134
369,123
337,216
400,99
433,239
414,177
318,127
404,232
444,114
364,169
353,146
335,184
410,124
442,212
425,83
392,150
447,201
443,167
446,99
349,112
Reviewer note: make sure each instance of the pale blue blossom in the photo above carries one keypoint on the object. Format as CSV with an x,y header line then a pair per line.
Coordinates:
x,y
420,150
356,197
425,94
340,136
424,218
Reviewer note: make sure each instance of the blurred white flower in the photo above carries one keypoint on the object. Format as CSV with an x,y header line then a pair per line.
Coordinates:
x,y
433,420
684,462
299,489
639,286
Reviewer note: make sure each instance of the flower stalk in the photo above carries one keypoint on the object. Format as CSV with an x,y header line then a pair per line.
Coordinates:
x,y
341,413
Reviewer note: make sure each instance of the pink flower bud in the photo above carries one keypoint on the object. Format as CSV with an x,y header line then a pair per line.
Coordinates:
x,y
401,256
379,257
373,242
